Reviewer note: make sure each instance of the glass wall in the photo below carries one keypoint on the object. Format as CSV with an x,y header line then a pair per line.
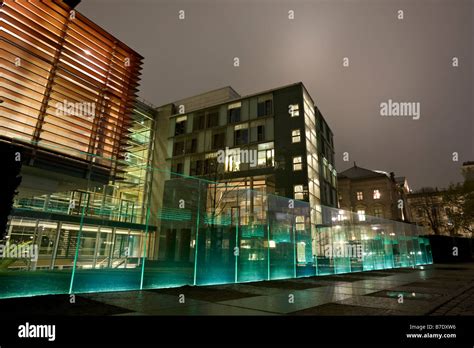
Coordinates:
x,y
189,232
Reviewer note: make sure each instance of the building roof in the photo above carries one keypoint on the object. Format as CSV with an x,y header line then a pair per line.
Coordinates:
x,y
356,172
214,98
209,98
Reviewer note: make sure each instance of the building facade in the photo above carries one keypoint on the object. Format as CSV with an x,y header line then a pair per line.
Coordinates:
x,y
274,142
375,193
69,110
68,90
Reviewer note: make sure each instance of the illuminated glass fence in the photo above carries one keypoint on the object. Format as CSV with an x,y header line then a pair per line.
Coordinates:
x,y
189,231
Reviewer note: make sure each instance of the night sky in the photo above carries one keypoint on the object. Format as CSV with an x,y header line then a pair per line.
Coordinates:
x,y
407,60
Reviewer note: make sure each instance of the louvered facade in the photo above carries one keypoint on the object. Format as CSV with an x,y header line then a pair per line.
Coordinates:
x,y
67,88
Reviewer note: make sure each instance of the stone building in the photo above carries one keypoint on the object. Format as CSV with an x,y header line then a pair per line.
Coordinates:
x,y
375,193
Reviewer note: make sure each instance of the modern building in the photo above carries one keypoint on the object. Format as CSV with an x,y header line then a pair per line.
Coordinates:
x,y
273,142
373,192
276,140
68,107
115,211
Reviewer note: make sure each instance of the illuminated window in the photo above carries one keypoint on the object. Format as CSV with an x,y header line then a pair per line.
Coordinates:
x,y
294,110
232,163
376,194
265,157
300,223
299,192
295,136
361,215
360,195
297,163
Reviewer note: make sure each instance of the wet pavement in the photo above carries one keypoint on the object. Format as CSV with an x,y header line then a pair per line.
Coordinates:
x,y
421,291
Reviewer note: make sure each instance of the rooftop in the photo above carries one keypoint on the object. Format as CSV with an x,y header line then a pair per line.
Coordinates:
x,y
356,172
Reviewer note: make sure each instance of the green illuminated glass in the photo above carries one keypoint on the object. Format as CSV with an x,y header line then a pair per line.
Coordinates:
x,y
154,229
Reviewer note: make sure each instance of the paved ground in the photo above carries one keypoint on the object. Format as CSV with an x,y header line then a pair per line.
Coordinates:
x,y
431,290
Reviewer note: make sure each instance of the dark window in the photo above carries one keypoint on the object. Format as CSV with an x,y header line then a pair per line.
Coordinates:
x,y
268,107
218,141
199,122
261,109
234,115
205,168
260,133
178,148
177,168
196,167
180,128
191,146
209,166
241,136
212,119
264,108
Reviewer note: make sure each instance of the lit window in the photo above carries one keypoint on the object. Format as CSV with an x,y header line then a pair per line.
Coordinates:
x,y
265,157
299,192
376,194
232,162
297,163
300,223
295,136
361,215
360,196
294,110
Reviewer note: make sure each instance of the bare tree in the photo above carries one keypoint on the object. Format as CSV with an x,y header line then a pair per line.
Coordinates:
x,y
429,203
459,199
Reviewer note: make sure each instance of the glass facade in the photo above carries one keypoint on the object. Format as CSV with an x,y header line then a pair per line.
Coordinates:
x,y
194,232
